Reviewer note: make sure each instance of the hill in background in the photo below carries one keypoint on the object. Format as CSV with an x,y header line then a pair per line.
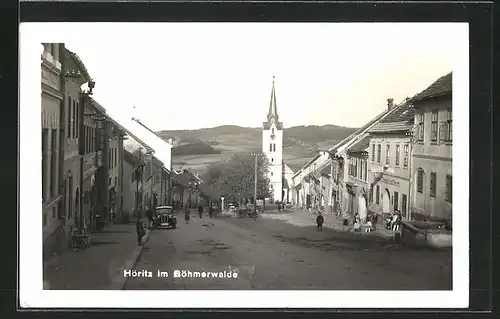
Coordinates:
x,y
195,149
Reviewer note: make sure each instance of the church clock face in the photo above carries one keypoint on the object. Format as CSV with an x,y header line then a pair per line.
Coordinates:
x,y
273,136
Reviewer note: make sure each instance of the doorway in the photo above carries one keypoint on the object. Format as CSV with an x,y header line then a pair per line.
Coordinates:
x,y
386,201
362,207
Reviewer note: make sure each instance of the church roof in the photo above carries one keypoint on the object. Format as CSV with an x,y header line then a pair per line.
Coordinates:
x,y
272,114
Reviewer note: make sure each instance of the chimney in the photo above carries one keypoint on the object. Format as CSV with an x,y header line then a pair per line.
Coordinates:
x,y
390,103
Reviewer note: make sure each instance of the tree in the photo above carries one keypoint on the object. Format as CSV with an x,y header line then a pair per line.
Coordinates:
x,y
234,179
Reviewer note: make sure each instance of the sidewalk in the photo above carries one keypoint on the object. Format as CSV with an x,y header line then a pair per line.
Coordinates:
x,y
302,218
97,267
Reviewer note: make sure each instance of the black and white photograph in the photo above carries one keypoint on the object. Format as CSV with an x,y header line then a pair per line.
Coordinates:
x,y
244,160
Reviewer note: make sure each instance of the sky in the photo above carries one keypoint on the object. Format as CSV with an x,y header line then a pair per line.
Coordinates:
x,y
195,75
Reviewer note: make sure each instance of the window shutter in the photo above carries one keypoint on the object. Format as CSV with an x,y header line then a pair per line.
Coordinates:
x,y
442,131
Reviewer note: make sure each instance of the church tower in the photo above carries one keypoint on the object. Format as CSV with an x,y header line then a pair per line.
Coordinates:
x,y
272,146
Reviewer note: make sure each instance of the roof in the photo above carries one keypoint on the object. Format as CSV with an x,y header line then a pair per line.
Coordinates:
x,y
361,145
162,149
401,119
79,63
157,162
185,178
359,131
442,86
272,114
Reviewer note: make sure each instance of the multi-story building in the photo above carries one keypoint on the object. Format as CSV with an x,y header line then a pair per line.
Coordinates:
x,y
390,161
75,75
52,145
116,177
341,189
432,152
132,165
357,185
93,145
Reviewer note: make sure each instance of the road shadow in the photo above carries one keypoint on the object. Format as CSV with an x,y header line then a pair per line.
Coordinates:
x,y
114,232
102,243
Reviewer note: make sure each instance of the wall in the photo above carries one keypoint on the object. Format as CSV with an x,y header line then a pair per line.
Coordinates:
x,y
275,158
397,177
432,157
51,98
129,189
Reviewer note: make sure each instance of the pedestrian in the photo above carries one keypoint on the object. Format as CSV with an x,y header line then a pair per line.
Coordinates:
x,y
211,210
345,221
149,214
140,231
200,211
357,223
319,221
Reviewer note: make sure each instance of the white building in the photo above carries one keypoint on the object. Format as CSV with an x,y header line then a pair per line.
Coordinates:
x,y
272,147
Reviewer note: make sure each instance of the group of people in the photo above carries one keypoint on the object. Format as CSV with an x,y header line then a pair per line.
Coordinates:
x,y
200,212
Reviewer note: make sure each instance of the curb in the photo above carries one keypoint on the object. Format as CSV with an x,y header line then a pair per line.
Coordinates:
x,y
119,281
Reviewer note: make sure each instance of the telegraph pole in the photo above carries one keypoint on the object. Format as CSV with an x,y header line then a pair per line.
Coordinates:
x,y
255,182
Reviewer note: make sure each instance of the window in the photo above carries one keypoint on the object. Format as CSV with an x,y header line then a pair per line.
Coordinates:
x,y
445,128
110,158
420,181
271,173
116,181
406,155
432,192
116,158
377,195
45,137
366,171
270,147
272,130
434,126
387,153
110,181
356,167
448,188
403,204
379,152
371,194
396,201
53,163
272,160
420,128
132,177
449,125
397,154
274,147
77,117
73,119
69,128
373,152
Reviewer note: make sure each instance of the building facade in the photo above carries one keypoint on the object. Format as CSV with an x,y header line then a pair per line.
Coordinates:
x,y
131,170
432,152
272,147
75,75
52,147
115,169
357,185
390,161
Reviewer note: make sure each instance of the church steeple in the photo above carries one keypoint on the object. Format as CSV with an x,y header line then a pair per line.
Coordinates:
x,y
273,110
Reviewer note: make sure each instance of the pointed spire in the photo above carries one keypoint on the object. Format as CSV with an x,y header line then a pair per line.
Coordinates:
x,y
273,110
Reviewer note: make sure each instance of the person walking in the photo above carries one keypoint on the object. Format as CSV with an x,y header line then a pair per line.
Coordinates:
x,y
186,214
319,221
211,210
200,211
149,214
139,230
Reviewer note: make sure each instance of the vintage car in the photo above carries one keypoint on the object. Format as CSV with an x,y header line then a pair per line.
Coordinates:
x,y
165,217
